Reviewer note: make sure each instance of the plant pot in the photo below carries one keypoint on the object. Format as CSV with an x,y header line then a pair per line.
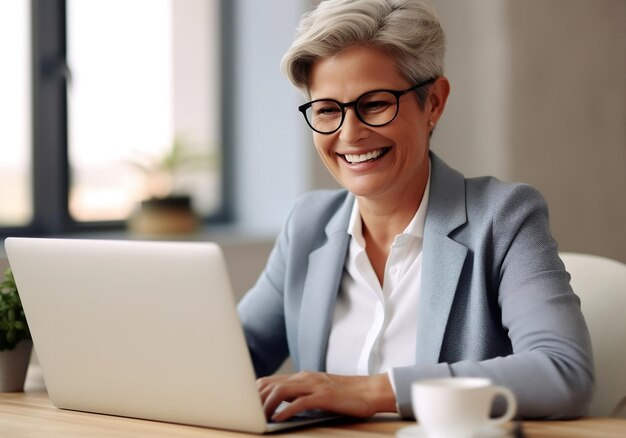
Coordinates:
x,y
13,366
164,216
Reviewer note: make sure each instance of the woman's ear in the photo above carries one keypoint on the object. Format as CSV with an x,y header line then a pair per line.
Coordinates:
x,y
437,97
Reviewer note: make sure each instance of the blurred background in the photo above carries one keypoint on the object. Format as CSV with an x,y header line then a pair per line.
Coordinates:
x,y
90,89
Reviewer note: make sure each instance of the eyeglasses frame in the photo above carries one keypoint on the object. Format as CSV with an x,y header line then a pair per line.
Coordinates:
x,y
397,93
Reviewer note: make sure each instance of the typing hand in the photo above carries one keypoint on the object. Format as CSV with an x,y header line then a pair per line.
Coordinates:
x,y
355,396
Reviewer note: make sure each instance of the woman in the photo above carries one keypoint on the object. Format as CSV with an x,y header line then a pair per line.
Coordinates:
x,y
412,271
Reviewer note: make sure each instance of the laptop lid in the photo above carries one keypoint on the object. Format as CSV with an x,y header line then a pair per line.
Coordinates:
x,y
138,329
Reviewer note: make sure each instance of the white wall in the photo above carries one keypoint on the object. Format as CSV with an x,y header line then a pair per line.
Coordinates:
x,y
271,154
539,96
474,127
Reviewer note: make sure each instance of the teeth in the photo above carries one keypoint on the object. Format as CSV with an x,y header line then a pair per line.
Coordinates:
x,y
351,158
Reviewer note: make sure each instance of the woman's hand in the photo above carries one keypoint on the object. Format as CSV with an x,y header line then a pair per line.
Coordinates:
x,y
356,396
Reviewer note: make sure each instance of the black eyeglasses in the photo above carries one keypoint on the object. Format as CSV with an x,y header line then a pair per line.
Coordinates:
x,y
375,108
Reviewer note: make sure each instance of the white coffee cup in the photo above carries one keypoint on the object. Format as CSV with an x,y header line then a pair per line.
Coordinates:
x,y
458,407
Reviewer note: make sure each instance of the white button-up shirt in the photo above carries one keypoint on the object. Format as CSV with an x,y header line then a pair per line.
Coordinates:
x,y
375,327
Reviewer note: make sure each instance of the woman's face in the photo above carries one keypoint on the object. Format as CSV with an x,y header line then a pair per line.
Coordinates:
x,y
372,162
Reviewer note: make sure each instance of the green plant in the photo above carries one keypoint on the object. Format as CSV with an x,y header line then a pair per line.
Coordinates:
x,y
161,170
13,325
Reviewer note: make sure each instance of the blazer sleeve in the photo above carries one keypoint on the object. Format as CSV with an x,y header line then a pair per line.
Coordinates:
x,y
550,367
262,313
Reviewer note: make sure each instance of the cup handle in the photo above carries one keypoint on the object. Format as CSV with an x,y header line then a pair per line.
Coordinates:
x,y
511,405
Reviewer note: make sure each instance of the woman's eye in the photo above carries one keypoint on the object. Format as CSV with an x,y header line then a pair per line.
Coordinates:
x,y
374,106
327,111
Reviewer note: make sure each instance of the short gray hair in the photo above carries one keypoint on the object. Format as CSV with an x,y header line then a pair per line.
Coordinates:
x,y
408,30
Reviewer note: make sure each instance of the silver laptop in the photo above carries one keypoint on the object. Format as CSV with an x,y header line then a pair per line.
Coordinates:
x,y
139,329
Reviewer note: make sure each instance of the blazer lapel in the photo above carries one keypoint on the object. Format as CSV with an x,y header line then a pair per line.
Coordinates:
x,y
320,291
442,260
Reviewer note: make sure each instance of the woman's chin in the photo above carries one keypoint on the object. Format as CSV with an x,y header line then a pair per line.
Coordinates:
x,y
364,190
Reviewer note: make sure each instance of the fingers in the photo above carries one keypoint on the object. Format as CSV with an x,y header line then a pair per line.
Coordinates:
x,y
357,396
299,405
276,389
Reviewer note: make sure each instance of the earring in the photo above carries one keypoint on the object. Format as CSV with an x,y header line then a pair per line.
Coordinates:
x,y
431,124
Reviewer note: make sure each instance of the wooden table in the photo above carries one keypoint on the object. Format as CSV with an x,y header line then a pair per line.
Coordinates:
x,y
30,414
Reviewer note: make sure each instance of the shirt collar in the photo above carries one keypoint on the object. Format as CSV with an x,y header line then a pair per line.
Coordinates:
x,y
415,227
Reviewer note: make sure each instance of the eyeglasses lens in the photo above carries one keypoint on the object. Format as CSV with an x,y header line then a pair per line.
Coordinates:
x,y
324,115
377,108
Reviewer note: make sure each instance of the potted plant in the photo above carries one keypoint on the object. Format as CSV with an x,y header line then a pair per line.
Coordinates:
x,y
167,209
15,340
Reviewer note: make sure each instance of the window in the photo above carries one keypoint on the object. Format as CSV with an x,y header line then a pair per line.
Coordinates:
x,y
115,82
15,115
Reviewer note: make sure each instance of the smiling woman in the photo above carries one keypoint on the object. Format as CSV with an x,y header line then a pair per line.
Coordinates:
x,y
412,271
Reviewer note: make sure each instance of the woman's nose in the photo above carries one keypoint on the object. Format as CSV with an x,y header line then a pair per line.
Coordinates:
x,y
352,128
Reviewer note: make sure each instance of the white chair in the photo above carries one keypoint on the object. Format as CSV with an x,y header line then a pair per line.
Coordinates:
x,y
601,285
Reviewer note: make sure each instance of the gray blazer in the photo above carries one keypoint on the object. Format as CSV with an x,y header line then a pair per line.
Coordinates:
x,y
495,300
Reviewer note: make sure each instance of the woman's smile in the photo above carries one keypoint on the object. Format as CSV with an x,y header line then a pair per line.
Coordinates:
x,y
365,157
